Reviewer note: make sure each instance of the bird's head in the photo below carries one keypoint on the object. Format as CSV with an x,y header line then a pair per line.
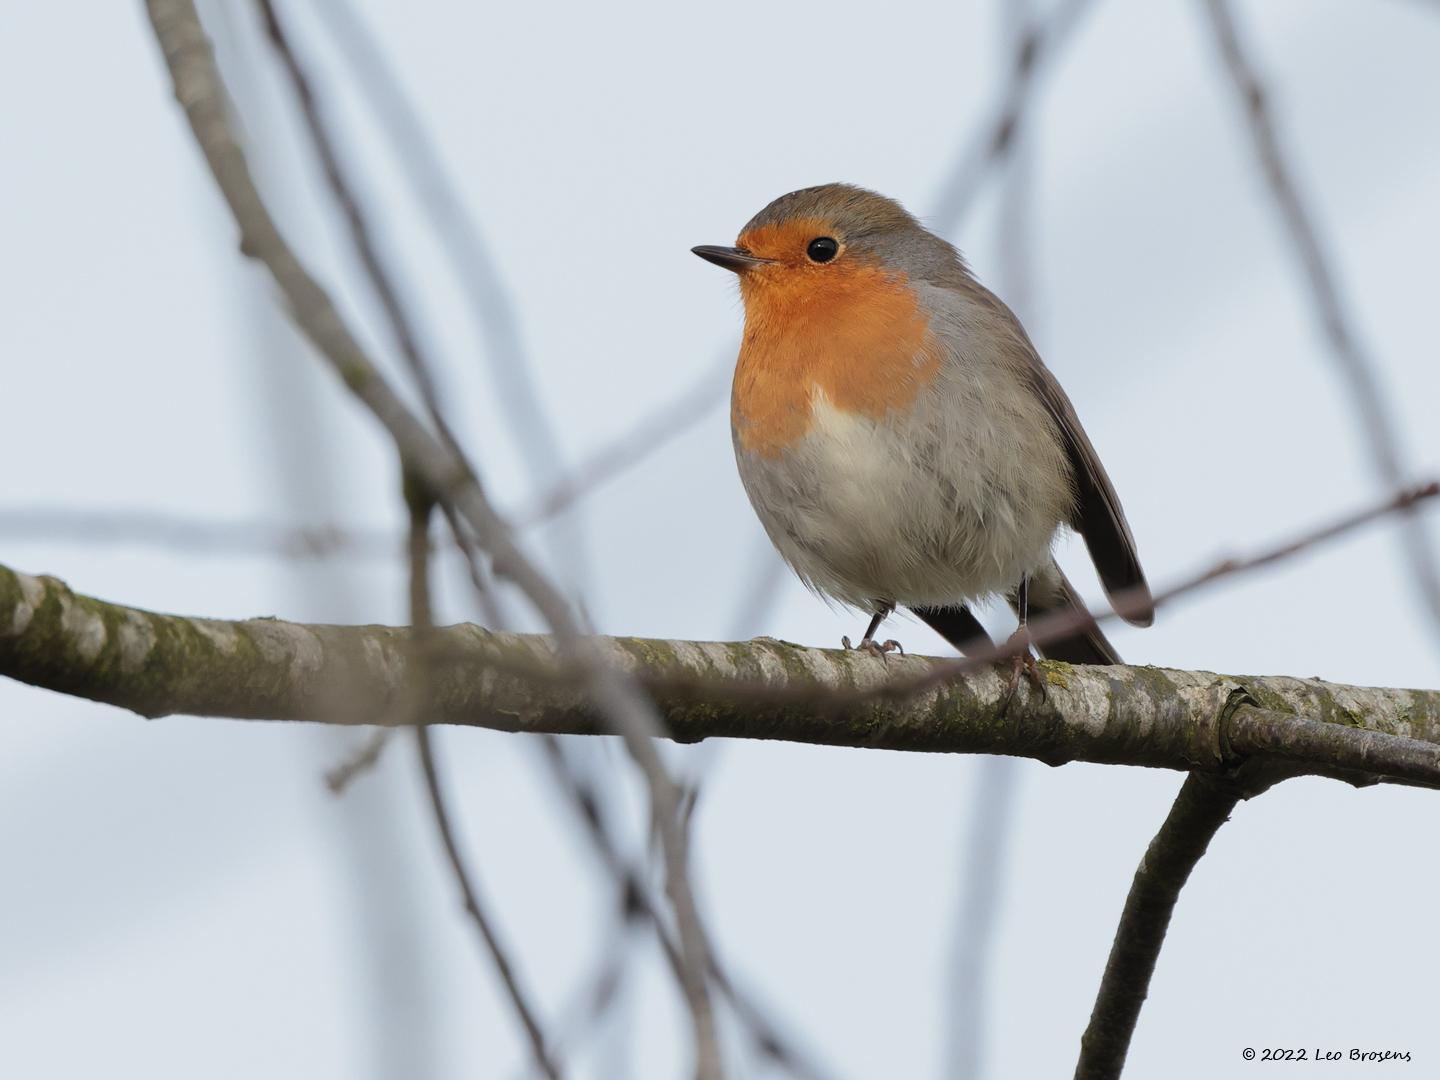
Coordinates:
x,y
818,240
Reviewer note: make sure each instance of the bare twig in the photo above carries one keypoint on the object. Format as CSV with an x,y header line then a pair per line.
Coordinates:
x,y
644,754
360,761
1352,359
766,689
648,435
54,524
635,895
995,779
455,229
1203,805
361,235
1035,48
381,278
419,694
294,442
199,89
1057,627
757,598
599,992
900,684
1401,501
766,1038
981,878
473,907
198,536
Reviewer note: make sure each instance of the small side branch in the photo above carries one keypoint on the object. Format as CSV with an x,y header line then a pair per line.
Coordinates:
x,y
1363,753
1203,805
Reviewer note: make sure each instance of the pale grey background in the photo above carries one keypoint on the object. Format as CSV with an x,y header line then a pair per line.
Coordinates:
x,y
183,898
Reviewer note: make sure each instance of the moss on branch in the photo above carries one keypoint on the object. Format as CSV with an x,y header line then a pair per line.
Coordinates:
x,y
268,669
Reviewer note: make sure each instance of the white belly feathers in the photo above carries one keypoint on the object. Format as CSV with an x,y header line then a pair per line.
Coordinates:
x,y
868,510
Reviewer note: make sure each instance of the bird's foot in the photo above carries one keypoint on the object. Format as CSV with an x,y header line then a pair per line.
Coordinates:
x,y
1023,662
882,649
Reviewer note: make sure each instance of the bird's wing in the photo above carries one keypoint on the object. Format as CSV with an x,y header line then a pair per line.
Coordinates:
x,y
1098,514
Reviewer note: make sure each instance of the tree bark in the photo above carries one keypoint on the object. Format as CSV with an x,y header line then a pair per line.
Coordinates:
x,y
267,669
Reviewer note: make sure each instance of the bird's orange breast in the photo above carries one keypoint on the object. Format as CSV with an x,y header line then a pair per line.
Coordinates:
x,y
857,334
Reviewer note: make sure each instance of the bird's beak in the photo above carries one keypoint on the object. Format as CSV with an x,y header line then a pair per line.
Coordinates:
x,y
736,259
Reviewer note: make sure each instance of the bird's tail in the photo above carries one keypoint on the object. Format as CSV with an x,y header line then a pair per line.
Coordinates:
x,y
1052,593
957,626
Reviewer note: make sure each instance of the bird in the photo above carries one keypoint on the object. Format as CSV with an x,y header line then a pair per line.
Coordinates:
x,y
899,437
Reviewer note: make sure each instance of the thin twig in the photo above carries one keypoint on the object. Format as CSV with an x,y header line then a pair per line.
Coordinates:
x,y
1035,48
666,799
1352,359
201,92
901,687
362,238
473,907
475,269
58,639
764,1035
648,435
361,760
981,878
199,536
422,621
193,535
1057,627
995,780
382,280
600,991
636,895
1203,805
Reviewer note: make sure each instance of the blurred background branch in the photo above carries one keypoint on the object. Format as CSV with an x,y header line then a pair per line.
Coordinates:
x,y
1365,397
1035,47
994,786
437,465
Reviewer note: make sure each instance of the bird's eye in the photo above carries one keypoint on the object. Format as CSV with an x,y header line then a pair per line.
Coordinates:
x,y
822,249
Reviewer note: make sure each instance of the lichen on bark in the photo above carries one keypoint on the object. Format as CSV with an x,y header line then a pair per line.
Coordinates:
x,y
765,689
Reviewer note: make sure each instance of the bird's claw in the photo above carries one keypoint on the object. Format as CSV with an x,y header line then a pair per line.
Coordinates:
x,y
1023,662
882,649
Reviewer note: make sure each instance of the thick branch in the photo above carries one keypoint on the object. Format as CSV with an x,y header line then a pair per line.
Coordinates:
x,y
158,665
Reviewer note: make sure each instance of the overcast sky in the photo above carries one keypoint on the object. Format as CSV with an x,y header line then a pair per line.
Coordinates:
x,y
184,898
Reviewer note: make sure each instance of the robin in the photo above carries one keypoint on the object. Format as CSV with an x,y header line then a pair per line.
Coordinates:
x,y
898,435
